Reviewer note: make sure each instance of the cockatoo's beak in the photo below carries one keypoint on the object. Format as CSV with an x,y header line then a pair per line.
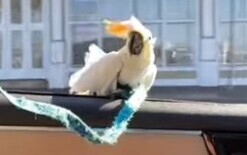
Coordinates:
x,y
118,28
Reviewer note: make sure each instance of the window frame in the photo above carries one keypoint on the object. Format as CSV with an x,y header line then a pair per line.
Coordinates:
x,y
162,21
219,22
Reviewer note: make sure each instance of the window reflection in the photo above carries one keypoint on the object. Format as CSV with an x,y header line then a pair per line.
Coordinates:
x,y
145,12
17,49
37,49
36,7
82,36
179,37
1,49
83,10
115,9
16,11
112,44
179,9
165,21
233,31
1,9
178,55
178,49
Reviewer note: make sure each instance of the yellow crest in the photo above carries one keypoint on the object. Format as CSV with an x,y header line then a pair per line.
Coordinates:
x,y
118,28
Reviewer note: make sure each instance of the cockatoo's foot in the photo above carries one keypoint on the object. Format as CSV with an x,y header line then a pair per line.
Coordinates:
x,y
94,94
125,87
72,92
123,92
116,94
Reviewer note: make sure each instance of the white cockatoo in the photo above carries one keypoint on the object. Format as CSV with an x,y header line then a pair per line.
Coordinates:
x,y
132,65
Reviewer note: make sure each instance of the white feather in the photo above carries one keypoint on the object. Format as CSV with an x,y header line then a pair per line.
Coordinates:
x,y
99,73
94,54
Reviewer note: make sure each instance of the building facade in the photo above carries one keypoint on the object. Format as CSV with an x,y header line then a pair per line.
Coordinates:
x,y
200,42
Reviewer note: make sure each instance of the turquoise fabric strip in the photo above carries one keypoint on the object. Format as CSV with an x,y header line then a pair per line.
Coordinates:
x,y
74,123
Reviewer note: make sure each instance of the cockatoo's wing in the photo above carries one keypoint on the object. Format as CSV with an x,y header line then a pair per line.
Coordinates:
x,y
99,75
95,53
149,77
75,76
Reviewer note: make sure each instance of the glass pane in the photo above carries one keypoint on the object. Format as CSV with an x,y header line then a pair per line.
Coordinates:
x,y
17,49
179,9
82,36
225,43
81,10
116,9
16,11
1,9
233,9
1,48
240,8
36,6
145,12
156,30
225,12
233,43
37,49
179,44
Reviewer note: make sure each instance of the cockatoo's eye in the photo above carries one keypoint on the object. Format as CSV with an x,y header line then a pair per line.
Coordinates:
x,y
149,38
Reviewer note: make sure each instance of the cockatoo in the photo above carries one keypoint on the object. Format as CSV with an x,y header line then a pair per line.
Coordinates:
x,y
132,65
